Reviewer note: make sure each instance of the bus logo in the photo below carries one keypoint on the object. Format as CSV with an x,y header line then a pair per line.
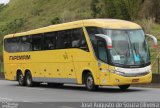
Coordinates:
x,y
20,57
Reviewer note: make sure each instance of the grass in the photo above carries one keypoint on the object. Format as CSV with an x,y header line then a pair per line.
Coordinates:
x,y
156,32
39,13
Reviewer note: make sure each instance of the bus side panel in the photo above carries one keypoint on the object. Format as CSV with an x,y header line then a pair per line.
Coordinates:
x,y
8,71
47,66
9,68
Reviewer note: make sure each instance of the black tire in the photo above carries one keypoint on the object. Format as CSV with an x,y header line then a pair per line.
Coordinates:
x,y
29,81
21,79
124,87
89,82
55,84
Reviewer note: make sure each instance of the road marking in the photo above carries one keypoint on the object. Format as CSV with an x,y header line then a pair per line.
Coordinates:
x,y
39,103
26,101
34,89
66,107
31,88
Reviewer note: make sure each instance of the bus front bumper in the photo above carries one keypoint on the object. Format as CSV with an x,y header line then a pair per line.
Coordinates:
x,y
115,79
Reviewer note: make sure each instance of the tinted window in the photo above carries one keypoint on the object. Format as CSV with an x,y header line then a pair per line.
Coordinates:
x,y
49,41
12,44
25,44
37,42
78,39
6,44
56,40
63,39
92,31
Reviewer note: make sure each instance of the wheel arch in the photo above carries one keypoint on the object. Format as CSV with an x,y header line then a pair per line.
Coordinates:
x,y
84,73
26,71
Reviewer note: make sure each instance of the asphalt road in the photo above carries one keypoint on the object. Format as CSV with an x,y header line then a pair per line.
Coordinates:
x,y
12,92
72,93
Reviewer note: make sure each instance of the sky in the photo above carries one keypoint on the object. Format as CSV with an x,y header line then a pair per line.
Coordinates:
x,y
4,1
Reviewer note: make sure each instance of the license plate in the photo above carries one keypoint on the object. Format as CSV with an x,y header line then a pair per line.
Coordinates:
x,y
135,80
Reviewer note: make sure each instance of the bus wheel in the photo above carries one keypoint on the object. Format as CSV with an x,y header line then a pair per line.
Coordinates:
x,y
124,87
29,81
89,83
21,79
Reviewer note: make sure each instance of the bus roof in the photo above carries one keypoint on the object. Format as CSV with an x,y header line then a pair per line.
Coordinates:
x,y
104,23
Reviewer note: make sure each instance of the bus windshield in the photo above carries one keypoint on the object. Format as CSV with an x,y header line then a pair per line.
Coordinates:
x,y
129,47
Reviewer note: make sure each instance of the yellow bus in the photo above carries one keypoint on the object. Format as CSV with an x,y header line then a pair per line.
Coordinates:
x,y
93,52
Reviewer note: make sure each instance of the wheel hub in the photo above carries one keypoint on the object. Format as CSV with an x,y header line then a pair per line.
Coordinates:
x,y
89,82
20,79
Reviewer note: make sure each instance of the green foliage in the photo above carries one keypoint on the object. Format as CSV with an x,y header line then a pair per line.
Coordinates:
x,y
67,16
95,9
13,26
156,10
133,7
37,12
121,9
146,24
1,7
55,20
40,13
110,9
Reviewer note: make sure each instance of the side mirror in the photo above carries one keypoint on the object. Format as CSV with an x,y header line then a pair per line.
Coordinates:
x,y
107,38
154,40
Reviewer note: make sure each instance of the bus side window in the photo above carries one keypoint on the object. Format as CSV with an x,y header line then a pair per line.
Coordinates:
x,y
78,39
14,44
25,44
63,39
7,44
37,42
49,41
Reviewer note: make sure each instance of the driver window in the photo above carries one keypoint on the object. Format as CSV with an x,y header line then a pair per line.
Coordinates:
x,y
102,51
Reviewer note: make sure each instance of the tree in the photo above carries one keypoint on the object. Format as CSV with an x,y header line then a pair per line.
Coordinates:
x,y
1,7
123,11
115,9
55,20
133,7
95,9
110,8
156,10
